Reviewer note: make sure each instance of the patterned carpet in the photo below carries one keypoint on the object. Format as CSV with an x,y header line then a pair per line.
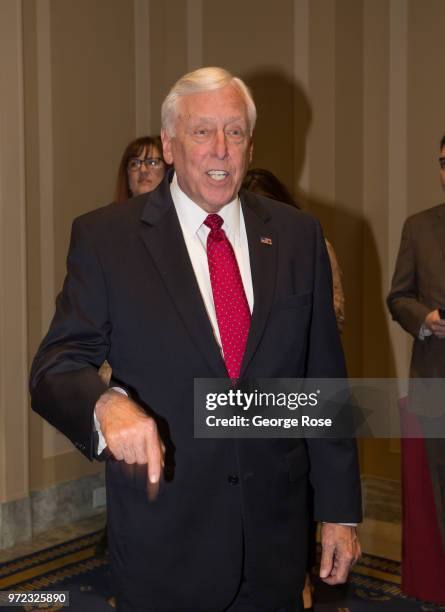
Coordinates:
x,y
73,566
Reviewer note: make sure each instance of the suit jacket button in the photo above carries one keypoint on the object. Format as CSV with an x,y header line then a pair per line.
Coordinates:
x,y
233,479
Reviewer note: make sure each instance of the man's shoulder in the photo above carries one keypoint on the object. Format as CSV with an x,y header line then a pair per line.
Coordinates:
x,y
113,215
426,215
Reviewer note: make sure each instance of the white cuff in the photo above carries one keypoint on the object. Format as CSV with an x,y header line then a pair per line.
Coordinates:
x,y
424,332
101,444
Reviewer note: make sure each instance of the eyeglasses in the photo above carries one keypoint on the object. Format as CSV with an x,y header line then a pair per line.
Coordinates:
x,y
442,163
134,163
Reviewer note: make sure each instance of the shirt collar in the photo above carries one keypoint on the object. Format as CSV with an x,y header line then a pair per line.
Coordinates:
x,y
193,216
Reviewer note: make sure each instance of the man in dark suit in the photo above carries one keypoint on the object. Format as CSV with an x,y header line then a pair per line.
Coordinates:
x,y
197,280
417,293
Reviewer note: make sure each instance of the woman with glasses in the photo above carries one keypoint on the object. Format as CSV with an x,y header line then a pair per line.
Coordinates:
x,y
141,168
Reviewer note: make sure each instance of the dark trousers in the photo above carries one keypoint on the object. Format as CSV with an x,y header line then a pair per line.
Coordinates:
x,y
242,603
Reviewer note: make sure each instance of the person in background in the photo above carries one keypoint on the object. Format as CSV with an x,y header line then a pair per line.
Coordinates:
x,y
416,302
265,183
141,169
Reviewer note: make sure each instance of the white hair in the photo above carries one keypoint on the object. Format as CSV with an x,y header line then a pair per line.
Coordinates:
x,y
198,81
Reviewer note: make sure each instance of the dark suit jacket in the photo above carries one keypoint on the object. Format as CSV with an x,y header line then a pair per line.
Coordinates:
x,y
131,297
418,287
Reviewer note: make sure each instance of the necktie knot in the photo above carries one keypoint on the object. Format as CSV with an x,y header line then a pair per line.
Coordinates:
x,y
214,222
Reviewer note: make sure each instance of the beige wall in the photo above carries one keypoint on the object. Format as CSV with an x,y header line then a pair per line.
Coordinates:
x,y
349,94
13,334
80,112
425,108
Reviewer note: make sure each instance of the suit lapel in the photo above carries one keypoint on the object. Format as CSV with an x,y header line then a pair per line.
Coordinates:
x,y
438,221
263,244
162,236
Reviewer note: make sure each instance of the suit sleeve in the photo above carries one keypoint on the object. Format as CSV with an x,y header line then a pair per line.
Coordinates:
x,y
402,300
335,473
64,381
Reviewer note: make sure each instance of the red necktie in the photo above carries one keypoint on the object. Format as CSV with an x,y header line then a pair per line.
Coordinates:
x,y
231,306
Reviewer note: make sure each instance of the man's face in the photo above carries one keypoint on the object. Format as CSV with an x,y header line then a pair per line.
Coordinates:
x,y
212,147
442,167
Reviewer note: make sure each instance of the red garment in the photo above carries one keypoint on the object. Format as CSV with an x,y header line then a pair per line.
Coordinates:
x,y
423,557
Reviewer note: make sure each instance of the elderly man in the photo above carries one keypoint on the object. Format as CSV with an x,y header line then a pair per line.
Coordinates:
x,y
197,280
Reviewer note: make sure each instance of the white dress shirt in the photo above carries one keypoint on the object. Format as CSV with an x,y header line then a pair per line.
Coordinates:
x,y
191,219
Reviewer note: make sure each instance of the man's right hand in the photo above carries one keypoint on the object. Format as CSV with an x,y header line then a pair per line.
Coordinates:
x,y
435,324
131,435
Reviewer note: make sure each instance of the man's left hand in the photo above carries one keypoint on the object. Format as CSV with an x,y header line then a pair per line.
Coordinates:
x,y
340,550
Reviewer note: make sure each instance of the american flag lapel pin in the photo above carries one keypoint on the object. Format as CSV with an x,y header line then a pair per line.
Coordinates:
x,y
266,240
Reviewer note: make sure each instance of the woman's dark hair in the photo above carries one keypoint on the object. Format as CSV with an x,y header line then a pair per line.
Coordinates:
x,y
265,183
133,149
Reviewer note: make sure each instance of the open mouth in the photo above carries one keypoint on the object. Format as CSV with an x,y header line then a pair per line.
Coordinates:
x,y
217,175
